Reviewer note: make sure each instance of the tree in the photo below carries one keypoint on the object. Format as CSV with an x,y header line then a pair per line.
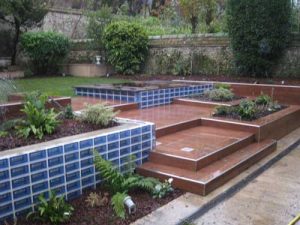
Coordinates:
x,y
259,31
21,14
192,10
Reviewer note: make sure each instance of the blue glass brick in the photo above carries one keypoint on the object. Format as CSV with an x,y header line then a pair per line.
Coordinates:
x,y
4,198
86,144
57,181
124,160
112,155
39,176
22,170
113,137
100,140
138,155
146,136
146,128
115,162
3,163
16,160
73,186
124,151
136,139
87,172
20,182
59,190
4,175
101,149
88,181
71,147
124,142
22,203
56,171
146,144
40,187
87,162
72,166
55,161
73,195
37,155
86,153
124,98
21,192
71,157
5,209
72,176
55,151
112,146
38,166
130,99
136,148
136,131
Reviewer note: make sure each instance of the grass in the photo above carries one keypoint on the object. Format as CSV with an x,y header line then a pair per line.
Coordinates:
x,y
60,86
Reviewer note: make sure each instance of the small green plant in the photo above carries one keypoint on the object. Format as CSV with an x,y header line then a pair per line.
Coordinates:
x,y
38,120
68,112
220,95
222,110
97,200
161,190
3,134
46,50
247,109
98,114
120,184
263,100
222,85
55,211
126,45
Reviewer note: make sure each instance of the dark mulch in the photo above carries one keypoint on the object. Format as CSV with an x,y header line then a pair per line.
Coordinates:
x,y
207,99
67,127
261,111
86,215
220,78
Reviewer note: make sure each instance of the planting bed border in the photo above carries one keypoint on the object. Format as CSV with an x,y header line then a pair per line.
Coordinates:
x,y
66,165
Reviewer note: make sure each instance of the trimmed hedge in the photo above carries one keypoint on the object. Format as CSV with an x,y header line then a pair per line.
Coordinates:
x,y
259,31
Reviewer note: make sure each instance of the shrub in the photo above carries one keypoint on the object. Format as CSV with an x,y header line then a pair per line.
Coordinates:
x,y
98,114
247,109
222,85
263,100
68,112
222,110
38,120
46,50
56,210
163,189
220,94
126,45
258,30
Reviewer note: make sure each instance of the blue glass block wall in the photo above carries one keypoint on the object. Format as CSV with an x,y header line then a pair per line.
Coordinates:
x,y
67,168
147,98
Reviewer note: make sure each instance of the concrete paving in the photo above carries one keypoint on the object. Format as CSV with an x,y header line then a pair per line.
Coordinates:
x,y
271,198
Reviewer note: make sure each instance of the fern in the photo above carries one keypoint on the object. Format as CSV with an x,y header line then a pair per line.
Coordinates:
x,y
117,202
112,177
139,182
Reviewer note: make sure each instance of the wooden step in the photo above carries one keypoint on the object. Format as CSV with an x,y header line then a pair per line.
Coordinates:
x,y
214,175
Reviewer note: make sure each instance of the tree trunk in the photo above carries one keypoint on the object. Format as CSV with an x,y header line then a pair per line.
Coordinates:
x,y
15,42
194,22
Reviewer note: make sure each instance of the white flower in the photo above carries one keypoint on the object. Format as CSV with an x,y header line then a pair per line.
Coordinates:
x,y
170,180
158,187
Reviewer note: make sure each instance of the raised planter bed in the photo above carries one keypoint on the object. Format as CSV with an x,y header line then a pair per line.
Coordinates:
x,y
65,165
147,94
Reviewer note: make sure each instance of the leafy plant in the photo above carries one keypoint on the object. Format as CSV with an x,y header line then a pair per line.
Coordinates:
x,y
126,45
163,189
247,109
68,112
222,110
46,50
98,114
97,200
56,210
259,31
120,184
263,99
222,85
220,94
3,134
38,120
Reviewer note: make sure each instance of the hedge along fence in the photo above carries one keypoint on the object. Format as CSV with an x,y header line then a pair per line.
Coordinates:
x,y
197,54
66,165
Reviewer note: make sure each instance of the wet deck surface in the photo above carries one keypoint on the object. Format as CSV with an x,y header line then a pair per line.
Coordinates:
x,y
272,198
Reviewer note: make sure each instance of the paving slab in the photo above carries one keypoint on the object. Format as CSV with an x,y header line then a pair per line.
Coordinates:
x,y
285,179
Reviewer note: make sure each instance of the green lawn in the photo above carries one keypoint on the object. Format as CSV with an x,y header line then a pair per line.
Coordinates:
x,y
59,86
